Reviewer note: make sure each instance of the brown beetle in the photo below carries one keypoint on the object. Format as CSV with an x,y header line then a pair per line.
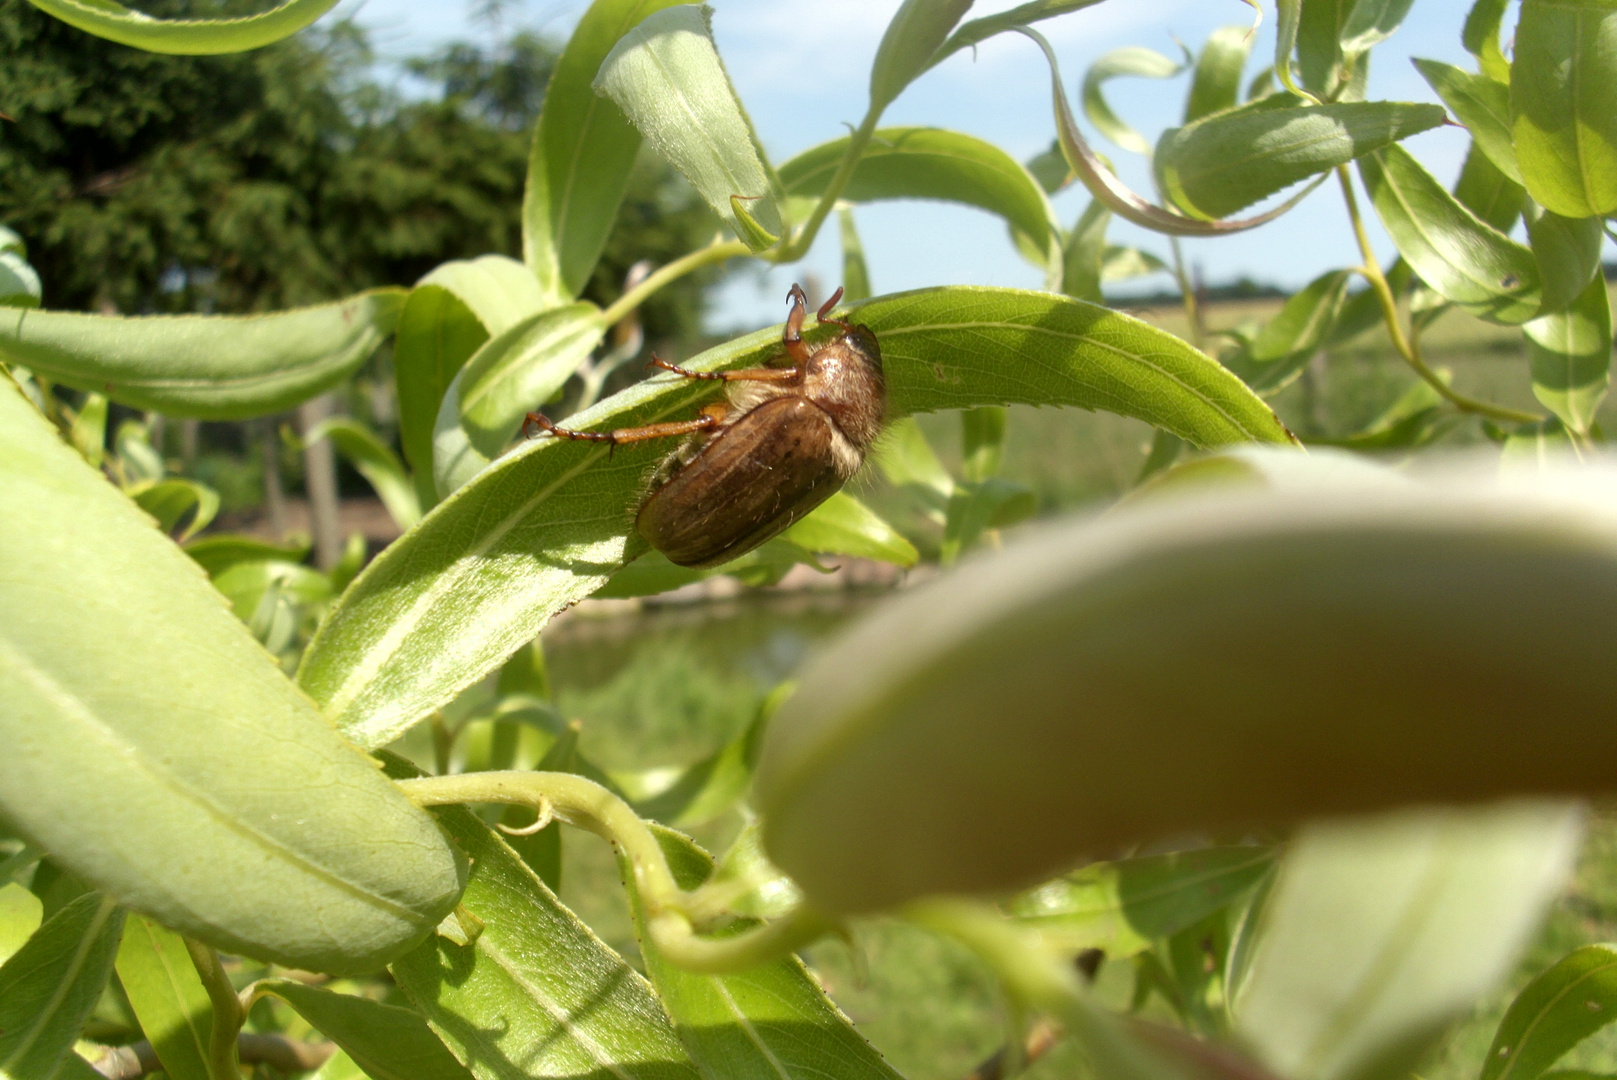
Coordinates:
x,y
784,441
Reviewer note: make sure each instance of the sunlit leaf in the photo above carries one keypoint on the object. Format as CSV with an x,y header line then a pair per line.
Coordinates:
x,y
1131,60
1459,256
1568,254
1379,934
169,501
520,369
155,750
20,915
913,37
50,985
842,525
1216,85
217,552
1559,1009
1563,98
980,29
387,1042
1571,357
1084,253
19,282
1480,36
1488,193
212,367
186,37
666,76
375,461
583,151
167,995
1482,105
549,523
1228,161
1289,340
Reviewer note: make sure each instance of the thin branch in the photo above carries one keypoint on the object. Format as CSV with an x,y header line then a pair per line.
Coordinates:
x,y
228,1014
716,252
280,1053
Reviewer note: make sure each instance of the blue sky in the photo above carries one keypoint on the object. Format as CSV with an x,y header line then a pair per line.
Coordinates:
x,y
801,68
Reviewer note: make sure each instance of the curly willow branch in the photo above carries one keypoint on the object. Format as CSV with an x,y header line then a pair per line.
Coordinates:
x,y
673,916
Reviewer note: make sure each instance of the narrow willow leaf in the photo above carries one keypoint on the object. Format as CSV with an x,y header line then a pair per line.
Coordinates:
x,y
982,441
1482,105
521,369
19,282
1049,168
1289,340
158,753
1563,98
11,241
1123,907
535,994
930,163
1216,85
548,524
186,37
20,915
1488,193
1460,257
842,525
1371,22
1415,418
1571,357
218,552
924,751
1103,183
376,462
245,583
976,507
1559,1009
1120,263
1227,162
855,274
168,997
712,786
666,76
652,573
1131,60
771,1022
49,987
1083,255
1480,35
211,367
913,37
983,28
88,432
455,458
437,335
169,501
338,1066
1568,254
1380,934
387,1042
583,151
1290,14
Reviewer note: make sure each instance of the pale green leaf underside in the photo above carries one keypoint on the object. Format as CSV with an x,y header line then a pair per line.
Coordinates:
x,y
186,37
549,523
211,367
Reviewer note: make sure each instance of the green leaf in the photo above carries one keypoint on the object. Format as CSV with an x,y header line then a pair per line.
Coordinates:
x,y
88,432
1488,193
535,994
338,1066
1216,86
1415,418
913,38
976,507
218,552
1559,1009
548,524
712,786
1131,60
1380,934
186,37
771,1023
925,750
1371,22
1289,340
1563,98
1568,254
1083,256
1532,448
1571,357
176,745
855,274
521,369
1482,105
49,986
19,282
583,152
20,915
170,500
245,583
667,77
1124,906
11,241
981,29
437,335
1480,36
211,367
1225,162
375,461
930,163
1459,256
387,1042
1120,263
168,997
842,525
1049,168
1290,14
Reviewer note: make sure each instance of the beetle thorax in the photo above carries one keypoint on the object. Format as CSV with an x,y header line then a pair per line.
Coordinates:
x,y
844,378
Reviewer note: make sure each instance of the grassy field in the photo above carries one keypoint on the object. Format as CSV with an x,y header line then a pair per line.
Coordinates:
x,y
668,686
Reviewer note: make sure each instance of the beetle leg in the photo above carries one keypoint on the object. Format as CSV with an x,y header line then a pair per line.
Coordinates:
x,y
711,417
825,309
792,336
752,374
